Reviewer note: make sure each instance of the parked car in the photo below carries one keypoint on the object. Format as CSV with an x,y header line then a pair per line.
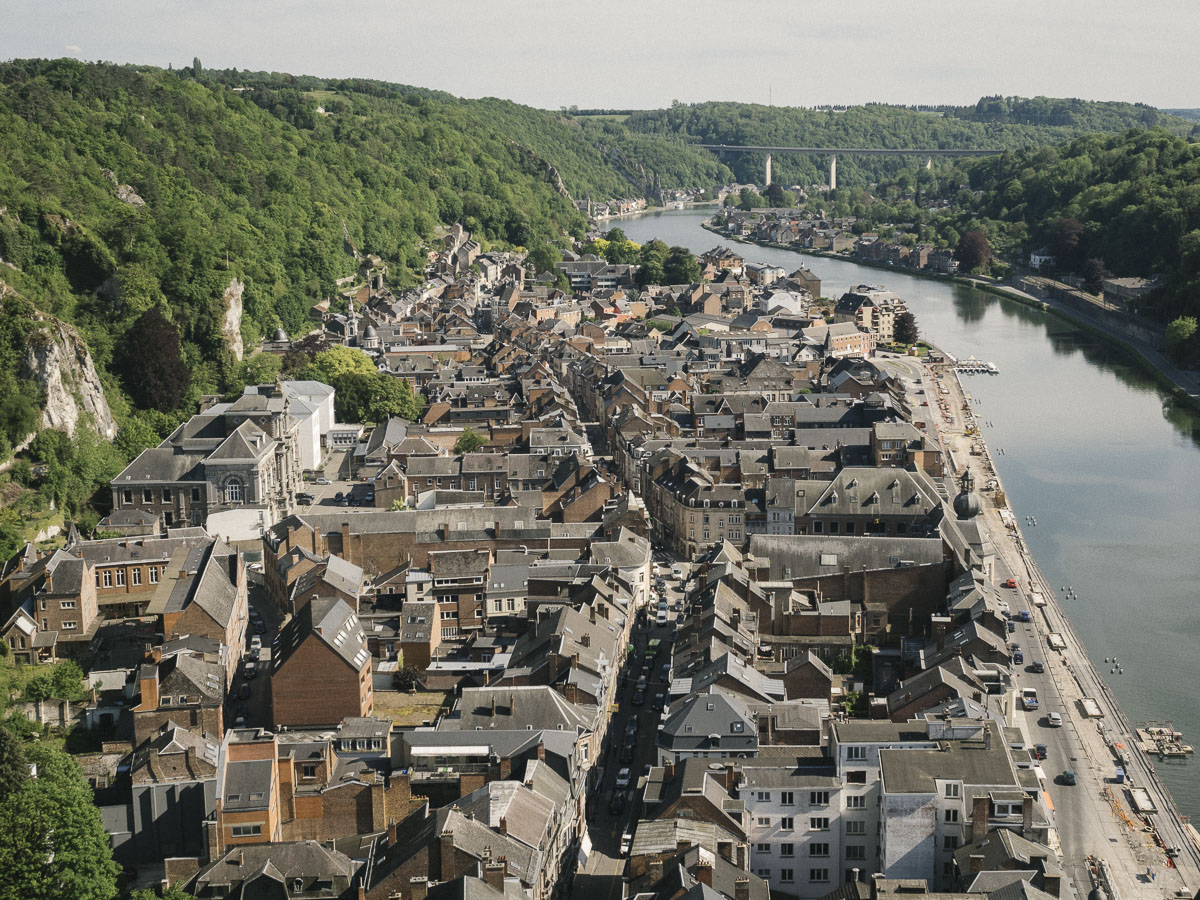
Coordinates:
x,y
260,628
639,698
1011,583
306,499
616,805
256,643
244,693
623,778
252,669
322,481
338,496
659,700
1055,720
1039,751
627,752
626,843
1012,626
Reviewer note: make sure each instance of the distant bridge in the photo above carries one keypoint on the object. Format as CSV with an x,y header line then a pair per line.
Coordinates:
x,y
834,152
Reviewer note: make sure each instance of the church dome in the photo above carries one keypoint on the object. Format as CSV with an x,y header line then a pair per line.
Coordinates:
x,y
370,332
967,504
280,335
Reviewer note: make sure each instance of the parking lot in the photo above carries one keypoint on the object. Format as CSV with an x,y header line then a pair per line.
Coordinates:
x,y
334,487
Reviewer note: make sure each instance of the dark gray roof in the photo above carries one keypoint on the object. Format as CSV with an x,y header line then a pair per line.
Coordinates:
x,y
330,620
247,784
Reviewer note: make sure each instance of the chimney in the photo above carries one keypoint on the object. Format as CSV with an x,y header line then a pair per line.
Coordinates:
x,y
503,825
979,818
493,695
854,874
391,833
976,863
725,850
704,873
1027,818
730,778
505,768
682,846
495,872
655,869
571,692
591,615
740,861
669,770
156,653
448,869
361,893
741,889
148,683
541,751
212,839
418,887
1051,884
512,704
585,640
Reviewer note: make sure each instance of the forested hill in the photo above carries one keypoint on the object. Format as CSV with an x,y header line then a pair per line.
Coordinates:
x,y
1000,122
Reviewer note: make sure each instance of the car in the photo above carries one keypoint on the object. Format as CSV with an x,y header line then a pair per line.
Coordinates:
x,y
256,643
666,672
338,496
623,778
924,402
1010,583
252,669
659,700
1017,656
662,617
244,693
676,571
632,728
1039,751
616,805
1023,615
639,698
642,684
1012,626
322,481
1029,698
627,752
646,770
304,498
239,722
1055,720
260,628
626,843
1068,777
1038,667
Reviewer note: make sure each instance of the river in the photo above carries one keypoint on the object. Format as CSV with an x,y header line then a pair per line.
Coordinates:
x,y
1107,463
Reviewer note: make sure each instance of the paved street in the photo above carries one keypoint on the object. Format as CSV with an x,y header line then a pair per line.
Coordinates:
x,y
601,876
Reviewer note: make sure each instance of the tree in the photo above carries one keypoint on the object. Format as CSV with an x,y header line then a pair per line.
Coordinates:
x,y
406,679
67,681
469,441
774,194
155,374
14,770
336,361
905,328
52,843
398,506
651,258
973,251
1093,273
1179,334
1065,238
680,267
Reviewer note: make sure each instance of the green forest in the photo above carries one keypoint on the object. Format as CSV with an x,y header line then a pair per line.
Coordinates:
x,y
999,122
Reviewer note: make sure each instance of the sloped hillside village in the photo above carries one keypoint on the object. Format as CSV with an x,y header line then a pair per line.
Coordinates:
x,y
702,599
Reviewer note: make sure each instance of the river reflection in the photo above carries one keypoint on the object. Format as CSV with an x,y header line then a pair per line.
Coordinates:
x,y
1107,461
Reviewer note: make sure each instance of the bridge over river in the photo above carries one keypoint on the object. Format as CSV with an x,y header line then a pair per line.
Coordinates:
x,y
834,152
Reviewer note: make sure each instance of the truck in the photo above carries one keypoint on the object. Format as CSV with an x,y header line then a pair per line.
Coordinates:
x,y
1029,698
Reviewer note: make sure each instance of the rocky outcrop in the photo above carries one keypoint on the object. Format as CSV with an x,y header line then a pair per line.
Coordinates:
x,y
231,325
126,194
58,361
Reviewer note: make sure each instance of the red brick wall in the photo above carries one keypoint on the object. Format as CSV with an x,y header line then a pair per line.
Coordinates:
x,y
316,687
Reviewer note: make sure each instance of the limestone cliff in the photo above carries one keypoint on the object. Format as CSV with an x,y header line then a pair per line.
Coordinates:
x,y
58,360
231,325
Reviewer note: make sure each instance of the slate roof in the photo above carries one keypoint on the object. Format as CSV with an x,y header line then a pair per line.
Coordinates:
x,y
913,771
330,620
307,860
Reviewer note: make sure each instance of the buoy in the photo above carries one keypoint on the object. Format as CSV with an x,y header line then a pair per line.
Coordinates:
x,y
1113,671
1106,660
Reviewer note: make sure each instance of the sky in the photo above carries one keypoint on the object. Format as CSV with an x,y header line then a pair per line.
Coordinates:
x,y
620,54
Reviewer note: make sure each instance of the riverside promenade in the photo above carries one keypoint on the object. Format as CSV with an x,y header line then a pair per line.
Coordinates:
x,y
1102,837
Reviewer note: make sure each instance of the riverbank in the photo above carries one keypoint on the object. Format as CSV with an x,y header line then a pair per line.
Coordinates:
x,y
1091,814
675,204
1182,385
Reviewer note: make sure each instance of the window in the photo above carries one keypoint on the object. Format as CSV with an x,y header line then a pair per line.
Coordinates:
x,y
856,851
948,869
819,849
951,816
950,842
787,823
858,753
136,575
787,798
818,798
818,528
195,495
107,578
858,776
786,875
833,527
127,496
762,796
248,830
147,495
233,490
153,571
97,579
65,604
762,848
856,828
763,873
69,626
166,495
308,770
787,849
763,821
818,823
120,577
952,789
818,874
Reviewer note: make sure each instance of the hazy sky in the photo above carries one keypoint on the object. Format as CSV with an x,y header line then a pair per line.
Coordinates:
x,y
618,53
